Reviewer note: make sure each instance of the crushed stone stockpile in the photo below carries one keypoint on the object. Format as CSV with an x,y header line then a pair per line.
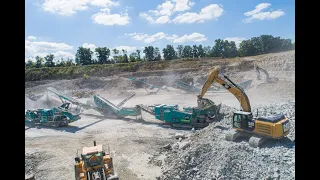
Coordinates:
x,y
205,154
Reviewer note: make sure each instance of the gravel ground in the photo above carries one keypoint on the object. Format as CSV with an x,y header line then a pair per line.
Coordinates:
x,y
205,154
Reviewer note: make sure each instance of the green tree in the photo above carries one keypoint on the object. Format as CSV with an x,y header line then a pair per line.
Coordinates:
x,y
149,53
233,51
195,53
218,48
259,46
179,51
39,61
69,62
246,48
169,53
61,63
49,60
286,44
30,64
138,55
266,44
201,52
156,54
125,56
103,54
229,49
84,56
207,51
187,52
133,57
115,54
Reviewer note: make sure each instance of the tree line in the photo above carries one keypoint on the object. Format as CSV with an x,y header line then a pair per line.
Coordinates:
x,y
221,49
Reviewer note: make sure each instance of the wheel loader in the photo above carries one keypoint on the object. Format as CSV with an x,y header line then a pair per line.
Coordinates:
x,y
244,123
94,164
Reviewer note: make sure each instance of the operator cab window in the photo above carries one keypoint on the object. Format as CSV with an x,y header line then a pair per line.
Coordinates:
x,y
237,120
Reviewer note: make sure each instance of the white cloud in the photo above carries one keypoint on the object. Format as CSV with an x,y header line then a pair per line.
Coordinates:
x,y
172,37
92,47
106,18
137,36
147,17
64,7
258,9
31,38
154,37
237,40
43,48
256,14
63,54
57,56
163,11
104,3
183,5
70,7
129,49
213,11
37,46
147,38
163,19
194,37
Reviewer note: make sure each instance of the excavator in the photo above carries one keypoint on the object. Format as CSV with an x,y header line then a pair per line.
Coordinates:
x,y
259,129
268,79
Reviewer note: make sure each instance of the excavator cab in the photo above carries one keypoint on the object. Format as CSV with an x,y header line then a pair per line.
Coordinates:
x,y
243,121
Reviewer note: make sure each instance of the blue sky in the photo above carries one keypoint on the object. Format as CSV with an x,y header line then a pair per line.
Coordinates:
x,y
61,26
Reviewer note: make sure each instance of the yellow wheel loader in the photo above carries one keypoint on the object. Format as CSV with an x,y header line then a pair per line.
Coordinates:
x,y
244,123
94,164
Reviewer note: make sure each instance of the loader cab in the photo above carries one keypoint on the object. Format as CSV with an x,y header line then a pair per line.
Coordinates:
x,y
92,156
243,120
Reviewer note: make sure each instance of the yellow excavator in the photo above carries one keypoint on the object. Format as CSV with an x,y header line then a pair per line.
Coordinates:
x,y
258,129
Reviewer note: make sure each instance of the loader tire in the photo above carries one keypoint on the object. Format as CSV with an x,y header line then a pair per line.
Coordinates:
x,y
76,173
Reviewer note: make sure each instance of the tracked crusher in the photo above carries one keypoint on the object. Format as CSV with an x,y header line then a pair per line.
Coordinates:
x,y
195,117
55,117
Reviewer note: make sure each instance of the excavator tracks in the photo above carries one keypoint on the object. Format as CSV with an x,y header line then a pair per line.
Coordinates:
x,y
254,140
232,135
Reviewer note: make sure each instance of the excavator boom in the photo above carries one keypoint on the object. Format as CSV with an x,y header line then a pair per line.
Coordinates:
x,y
237,91
258,69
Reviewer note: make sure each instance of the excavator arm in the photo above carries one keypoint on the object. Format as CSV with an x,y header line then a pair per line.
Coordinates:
x,y
229,85
258,69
